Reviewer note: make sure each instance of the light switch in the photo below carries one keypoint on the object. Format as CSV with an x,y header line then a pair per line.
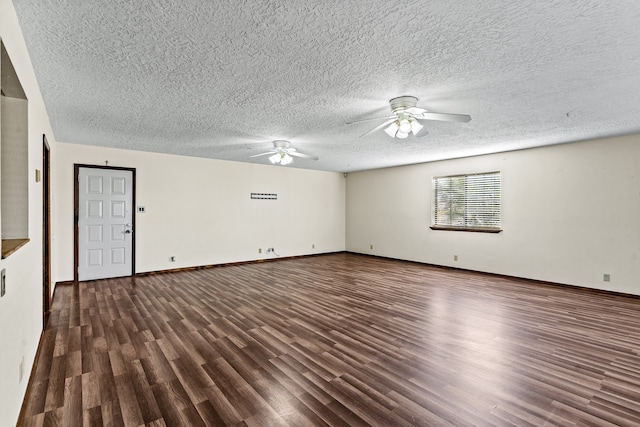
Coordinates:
x,y
3,282
141,209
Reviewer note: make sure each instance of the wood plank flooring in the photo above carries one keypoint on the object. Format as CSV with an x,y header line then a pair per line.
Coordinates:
x,y
340,340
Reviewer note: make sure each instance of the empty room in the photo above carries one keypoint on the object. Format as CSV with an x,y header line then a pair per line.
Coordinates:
x,y
319,213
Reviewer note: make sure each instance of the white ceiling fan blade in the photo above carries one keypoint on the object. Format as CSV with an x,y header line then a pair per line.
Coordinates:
x,y
388,122
444,117
369,120
415,111
264,154
299,154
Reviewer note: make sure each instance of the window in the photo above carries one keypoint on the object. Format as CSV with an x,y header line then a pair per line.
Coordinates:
x,y
467,202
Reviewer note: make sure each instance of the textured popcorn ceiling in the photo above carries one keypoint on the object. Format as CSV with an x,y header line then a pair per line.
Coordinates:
x,y
221,79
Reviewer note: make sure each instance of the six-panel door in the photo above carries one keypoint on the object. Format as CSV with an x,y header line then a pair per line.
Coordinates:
x,y
105,223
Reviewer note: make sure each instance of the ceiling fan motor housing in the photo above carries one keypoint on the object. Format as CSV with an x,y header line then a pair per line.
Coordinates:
x,y
281,143
401,103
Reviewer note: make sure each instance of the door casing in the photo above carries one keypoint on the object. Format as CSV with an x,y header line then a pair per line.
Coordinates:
x,y
76,214
46,231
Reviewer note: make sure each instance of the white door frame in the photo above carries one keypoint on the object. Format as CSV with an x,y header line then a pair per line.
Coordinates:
x,y
76,214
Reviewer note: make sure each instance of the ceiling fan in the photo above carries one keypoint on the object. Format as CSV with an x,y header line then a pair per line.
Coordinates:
x,y
282,153
407,118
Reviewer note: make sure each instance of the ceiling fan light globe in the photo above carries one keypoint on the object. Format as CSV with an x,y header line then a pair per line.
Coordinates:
x,y
392,129
415,127
401,135
405,126
275,158
286,159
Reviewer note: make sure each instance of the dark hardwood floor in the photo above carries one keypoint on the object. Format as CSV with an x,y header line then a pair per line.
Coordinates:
x,y
340,339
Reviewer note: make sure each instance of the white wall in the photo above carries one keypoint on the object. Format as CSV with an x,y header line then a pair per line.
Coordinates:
x,y
570,213
21,307
200,211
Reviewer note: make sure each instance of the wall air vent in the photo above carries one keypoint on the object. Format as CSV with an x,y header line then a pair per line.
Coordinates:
x,y
264,196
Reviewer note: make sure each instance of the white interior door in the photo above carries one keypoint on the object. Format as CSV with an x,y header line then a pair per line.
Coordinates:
x,y
105,223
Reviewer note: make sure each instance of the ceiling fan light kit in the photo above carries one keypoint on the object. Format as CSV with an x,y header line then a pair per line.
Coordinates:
x,y
406,118
283,153
281,158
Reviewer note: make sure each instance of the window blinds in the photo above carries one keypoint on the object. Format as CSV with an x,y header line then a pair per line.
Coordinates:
x,y
467,201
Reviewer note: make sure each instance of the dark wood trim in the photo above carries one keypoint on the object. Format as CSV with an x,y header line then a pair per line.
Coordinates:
x,y
540,282
76,210
46,231
506,276
28,391
446,267
208,266
10,246
468,229
32,378
76,198
65,283
228,264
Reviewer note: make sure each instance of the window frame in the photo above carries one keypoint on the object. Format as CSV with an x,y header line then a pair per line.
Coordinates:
x,y
475,228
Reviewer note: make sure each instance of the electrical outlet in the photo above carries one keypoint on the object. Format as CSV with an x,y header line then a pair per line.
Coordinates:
x,y
606,277
313,246
370,246
3,282
173,259
259,250
455,257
